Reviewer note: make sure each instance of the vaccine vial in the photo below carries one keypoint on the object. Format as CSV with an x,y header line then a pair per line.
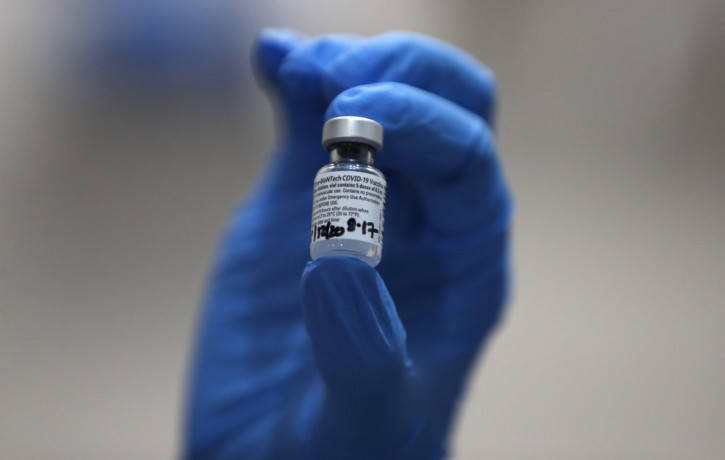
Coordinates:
x,y
349,193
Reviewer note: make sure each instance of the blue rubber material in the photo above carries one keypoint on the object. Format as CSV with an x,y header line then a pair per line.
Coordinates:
x,y
324,359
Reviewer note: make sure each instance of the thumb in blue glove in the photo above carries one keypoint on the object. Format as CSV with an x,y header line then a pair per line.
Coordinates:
x,y
359,345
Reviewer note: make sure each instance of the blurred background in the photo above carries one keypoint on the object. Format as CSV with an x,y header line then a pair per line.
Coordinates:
x,y
129,129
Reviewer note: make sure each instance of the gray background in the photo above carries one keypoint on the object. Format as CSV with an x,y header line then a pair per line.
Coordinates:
x,y
113,192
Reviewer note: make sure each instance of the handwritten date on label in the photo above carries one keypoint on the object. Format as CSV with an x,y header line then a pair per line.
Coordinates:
x,y
328,230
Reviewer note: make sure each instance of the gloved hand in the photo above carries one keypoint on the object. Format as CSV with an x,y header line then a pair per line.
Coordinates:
x,y
343,365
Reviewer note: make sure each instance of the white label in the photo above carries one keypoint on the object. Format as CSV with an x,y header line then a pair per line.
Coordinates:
x,y
348,205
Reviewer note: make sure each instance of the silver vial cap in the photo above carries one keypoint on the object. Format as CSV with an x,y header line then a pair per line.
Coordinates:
x,y
352,129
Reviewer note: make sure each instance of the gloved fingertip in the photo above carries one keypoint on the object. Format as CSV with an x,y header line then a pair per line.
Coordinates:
x,y
299,77
337,262
272,47
331,281
334,283
303,72
378,101
341,74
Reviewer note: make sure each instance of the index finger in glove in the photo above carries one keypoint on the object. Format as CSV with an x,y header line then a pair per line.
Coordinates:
x,y
294,63
419,61
449,152
317,70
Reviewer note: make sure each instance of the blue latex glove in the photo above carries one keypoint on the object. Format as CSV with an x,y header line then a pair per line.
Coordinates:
x,y
340,366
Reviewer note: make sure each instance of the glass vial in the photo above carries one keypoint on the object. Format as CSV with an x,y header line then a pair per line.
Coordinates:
x,y
349,193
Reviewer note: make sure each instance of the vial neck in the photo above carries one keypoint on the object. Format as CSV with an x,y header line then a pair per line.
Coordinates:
x,y
351,152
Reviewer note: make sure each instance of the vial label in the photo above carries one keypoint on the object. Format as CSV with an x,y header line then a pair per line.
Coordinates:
x,y
348,205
